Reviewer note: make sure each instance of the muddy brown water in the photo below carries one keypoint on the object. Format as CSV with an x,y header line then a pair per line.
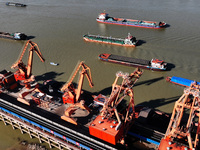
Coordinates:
x,y
58,26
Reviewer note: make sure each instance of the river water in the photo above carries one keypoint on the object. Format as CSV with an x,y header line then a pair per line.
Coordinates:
x,y
57,27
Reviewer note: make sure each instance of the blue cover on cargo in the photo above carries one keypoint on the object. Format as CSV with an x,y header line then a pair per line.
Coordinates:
x,y
182,81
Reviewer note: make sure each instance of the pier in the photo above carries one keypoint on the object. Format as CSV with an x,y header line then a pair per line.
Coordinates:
x,y
34,132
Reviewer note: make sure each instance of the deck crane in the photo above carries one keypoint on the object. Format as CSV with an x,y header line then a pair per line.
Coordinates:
x,y
111,125
184,127
71,95
24,73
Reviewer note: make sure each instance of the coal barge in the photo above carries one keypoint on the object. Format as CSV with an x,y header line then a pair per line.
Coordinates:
x,y
13,36
15,4
154,64
105,18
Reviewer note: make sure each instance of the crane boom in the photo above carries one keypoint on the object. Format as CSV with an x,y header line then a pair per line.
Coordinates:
x,y
24,72
88,75
72,95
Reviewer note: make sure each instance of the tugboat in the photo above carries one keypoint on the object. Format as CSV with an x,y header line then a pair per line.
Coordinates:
x,y
128,41
105,18
154,64
54,64
13,36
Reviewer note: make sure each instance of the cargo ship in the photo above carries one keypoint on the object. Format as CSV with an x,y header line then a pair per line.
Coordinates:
x,y
181,81
154,64
105,18
128,41
13,36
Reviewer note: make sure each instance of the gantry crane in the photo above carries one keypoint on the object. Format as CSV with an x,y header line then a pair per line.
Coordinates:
x,y
112,125
71,95
184,127
24,72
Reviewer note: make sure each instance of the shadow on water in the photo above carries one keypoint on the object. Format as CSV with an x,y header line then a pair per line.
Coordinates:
x,y
159,102
167,26
149,82
30,37
105,91
108,90
48,76
140,42
170,66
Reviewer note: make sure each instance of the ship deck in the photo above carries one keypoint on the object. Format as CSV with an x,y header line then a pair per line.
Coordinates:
x,y
104,39
129,60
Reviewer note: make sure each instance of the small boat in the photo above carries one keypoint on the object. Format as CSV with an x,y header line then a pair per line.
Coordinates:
x,y
13,36
15,4
105,18
181,81
54,64
128,41
154,64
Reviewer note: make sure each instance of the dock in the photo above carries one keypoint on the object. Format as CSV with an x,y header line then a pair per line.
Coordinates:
x,y
46,130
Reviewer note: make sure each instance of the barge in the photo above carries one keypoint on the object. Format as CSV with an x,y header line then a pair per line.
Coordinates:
x,y
13,36
181,81
105,18
128,41
15,4
154,64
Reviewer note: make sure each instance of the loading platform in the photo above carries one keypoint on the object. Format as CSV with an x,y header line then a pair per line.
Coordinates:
x,y
55,134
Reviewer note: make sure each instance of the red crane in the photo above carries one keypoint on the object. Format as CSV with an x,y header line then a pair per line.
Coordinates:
x,y
24,72
111,125
72,95
184,127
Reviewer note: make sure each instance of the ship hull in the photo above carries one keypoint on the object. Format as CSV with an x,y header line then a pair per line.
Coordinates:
x,y
133,62
129,24
181,81
112,42
5,35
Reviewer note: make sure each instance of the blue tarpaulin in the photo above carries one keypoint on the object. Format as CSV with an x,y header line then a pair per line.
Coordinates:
x,y
182,81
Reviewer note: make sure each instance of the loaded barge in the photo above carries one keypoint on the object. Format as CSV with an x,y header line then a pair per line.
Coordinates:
x,y
13,36
105,18
181,81
128,41
153,64
15,4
